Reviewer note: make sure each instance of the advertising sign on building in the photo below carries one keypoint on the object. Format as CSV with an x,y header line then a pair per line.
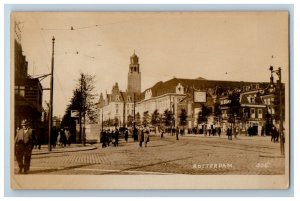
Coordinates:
x,y
199,97
74,113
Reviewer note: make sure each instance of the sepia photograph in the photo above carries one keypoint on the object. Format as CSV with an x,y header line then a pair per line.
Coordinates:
x,y
149,100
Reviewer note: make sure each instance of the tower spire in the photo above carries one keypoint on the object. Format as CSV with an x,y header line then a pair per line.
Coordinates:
x,y
134,75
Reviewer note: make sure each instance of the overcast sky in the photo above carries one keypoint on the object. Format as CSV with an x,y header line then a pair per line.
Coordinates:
x,y
217,46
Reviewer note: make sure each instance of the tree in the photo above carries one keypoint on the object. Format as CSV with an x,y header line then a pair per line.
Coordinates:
x,y
138,119
67,120
86,89
168,118
129,121
183,118
234,106
155,119
204,114
217,111
146,118
84,101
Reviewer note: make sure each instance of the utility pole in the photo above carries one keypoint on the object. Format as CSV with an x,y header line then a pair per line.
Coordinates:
x,y
173,108
133,111
83,106
102,120
281,115
281,134
51,96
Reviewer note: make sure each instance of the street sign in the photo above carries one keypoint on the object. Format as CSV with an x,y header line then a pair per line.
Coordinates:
x,y
75,113
199,97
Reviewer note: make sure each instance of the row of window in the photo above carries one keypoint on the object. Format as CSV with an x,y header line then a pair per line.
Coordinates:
x,y
252,113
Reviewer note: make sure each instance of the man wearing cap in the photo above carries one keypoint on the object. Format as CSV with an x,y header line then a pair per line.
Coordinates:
x,y
23,146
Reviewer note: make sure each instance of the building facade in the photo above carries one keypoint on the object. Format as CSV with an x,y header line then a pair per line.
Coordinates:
x,y
116,109
120,108
28,91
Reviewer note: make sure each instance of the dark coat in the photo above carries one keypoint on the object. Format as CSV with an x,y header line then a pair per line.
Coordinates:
x,y
24,137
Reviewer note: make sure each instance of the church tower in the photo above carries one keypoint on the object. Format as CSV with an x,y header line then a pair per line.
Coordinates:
x,y
134,75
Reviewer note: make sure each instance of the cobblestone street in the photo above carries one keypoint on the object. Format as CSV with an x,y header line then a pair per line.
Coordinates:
x,y
189,155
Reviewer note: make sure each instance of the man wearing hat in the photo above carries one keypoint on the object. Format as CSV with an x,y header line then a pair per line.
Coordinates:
x,y
23,146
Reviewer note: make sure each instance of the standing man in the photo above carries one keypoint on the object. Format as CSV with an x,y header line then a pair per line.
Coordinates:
x,y
229,133
140,136
117,137
103,138
146,135
23,146
177,133
126,135
68,136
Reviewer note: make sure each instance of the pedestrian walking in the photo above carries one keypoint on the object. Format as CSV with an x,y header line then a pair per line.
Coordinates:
x,y
23,146
219,131
58,141
262,131
177,133
135,134
113,139
140,136
126,135
37,136
116,135
68,136
108,137
63,137
146,135
229,133
162,131
103,138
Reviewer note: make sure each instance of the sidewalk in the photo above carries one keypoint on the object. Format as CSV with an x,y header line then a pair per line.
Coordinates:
x,y
239,136
71,148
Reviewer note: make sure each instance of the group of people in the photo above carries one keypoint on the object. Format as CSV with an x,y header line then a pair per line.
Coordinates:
x,y
63,137
143,135
107,137
60,137
139,134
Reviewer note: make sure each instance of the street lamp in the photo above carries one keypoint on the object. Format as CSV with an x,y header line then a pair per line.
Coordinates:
x,y
278,72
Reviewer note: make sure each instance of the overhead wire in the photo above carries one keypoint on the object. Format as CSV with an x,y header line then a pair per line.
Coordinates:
x,y
71,28
49,52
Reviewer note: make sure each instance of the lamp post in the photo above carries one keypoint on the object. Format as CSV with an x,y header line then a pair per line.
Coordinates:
x,y
278,72
102,121
51,96
133,112
234,128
